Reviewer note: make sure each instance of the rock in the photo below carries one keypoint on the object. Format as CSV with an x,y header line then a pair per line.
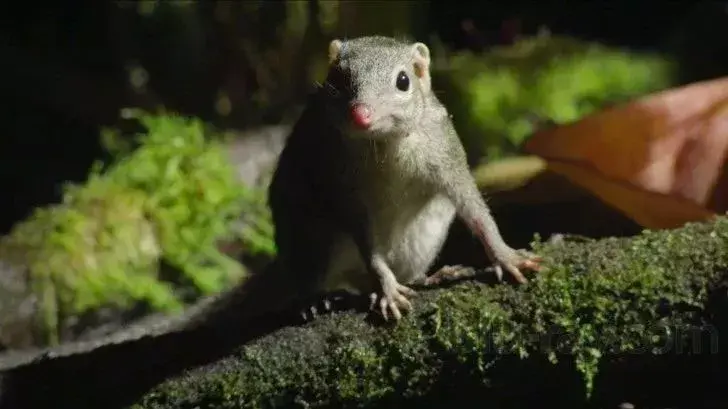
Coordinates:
x,y
255,152
17,308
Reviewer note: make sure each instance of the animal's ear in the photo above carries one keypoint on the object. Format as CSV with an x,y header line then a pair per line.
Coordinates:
x,y
334,49
422,62
422,53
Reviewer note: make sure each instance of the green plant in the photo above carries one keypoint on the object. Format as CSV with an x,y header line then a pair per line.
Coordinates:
x,y
193,196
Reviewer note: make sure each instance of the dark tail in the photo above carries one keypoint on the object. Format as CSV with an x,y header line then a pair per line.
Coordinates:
x,y
266,292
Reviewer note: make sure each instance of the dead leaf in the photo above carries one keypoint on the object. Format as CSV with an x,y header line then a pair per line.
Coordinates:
x,y
659,159
650,209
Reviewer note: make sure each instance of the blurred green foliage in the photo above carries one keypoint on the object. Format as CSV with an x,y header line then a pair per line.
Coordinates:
x,y
172,199
95,248
498,98
193,195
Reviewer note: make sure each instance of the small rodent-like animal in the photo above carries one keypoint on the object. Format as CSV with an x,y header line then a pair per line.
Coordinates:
x,y
369,183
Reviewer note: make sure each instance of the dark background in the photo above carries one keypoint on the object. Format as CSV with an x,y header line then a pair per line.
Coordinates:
x,y
43,145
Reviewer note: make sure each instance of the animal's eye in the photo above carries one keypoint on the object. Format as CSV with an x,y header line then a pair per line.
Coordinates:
x,y
403,81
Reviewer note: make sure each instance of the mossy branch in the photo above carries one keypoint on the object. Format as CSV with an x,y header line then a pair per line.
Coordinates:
x,y
600,298
630,297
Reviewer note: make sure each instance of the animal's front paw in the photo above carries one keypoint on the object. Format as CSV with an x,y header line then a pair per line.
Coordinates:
x,y
514,261
392,298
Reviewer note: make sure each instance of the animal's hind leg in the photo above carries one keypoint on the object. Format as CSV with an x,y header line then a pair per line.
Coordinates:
x,y
450,273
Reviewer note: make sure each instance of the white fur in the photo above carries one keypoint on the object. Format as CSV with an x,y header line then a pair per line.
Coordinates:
x,y
410,222
410,250
420,241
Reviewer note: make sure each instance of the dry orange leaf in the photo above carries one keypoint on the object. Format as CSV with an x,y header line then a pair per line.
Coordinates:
x,y
666,150
649,209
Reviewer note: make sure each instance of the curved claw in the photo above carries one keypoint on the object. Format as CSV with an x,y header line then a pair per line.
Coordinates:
x,y
312,311
389,305
406,291
391,300
515,260
498,272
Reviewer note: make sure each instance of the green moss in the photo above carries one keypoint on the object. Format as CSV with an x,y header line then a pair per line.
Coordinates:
x,y
598,299
171,199
95,248
496,97
193,195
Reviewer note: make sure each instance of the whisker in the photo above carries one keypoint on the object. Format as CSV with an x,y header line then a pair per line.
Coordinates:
x,y
331,89
374,150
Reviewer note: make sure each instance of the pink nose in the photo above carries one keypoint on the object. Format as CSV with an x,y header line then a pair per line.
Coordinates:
x,y
361,115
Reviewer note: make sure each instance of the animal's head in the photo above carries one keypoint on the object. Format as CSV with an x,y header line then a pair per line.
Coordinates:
x,y
377,85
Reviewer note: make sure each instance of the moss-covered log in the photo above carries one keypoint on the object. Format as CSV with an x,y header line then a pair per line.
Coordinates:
x,y
605,304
